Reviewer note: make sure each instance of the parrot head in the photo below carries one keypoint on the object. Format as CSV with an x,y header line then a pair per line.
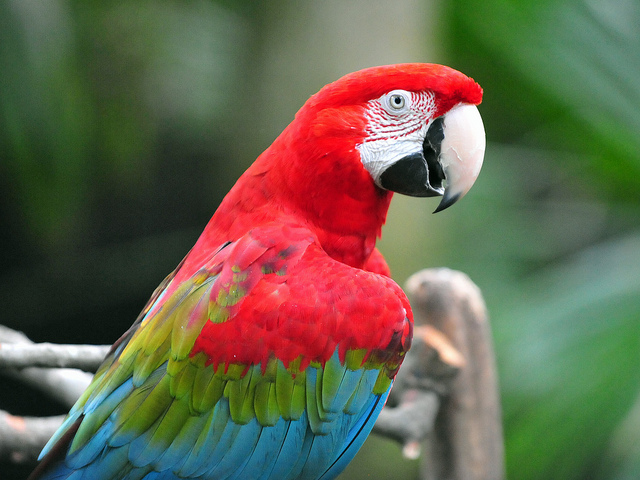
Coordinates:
x,y
416,127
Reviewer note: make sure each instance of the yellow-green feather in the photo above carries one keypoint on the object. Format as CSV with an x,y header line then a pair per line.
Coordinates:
x,y
138,412
266,403
205,394
382,383
182,383
332,377
354,359
190,318
169,425
290,392
241,394
315,414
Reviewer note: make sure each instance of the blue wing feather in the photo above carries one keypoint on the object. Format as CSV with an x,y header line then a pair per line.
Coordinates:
x,y
205,444
357,435
236,458
293,447
262,459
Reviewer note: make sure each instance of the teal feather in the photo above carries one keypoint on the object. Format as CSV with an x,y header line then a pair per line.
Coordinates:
x,y
244,442
176,454
110,464
226,431
293,447
263,458
338,384
203,447
362,392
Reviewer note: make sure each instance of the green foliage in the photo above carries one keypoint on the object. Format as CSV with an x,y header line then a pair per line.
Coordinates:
x,y
558,257
565,71
92,92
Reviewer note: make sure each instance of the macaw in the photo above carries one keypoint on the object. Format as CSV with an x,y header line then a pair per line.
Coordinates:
x,y
271,349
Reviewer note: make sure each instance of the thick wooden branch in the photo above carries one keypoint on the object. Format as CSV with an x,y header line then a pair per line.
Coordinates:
x,y
420,387
410,422
466,442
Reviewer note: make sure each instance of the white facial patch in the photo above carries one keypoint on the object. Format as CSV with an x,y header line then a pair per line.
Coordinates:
x,y
396,127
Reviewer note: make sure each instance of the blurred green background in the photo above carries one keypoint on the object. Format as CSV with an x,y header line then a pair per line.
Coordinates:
x,y
123,124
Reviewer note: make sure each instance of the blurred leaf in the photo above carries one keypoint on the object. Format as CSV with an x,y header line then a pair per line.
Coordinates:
x,y
622,460
556,250
90,93
570,346
44,110
567,71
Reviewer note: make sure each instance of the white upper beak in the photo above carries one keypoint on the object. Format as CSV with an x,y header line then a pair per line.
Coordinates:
x,y
461,152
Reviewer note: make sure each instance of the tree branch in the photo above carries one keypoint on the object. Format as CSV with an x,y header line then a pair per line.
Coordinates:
x,y
65,385
465,441
410,422
62,384
22,438
21,355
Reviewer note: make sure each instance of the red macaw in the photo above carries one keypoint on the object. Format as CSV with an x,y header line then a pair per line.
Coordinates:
x,y
271,349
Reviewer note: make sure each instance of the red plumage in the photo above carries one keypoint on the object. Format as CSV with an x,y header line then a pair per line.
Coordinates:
x,y
312,179
358,312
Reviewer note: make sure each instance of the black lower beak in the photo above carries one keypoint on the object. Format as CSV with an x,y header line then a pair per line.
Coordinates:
x,y
419,174
408,176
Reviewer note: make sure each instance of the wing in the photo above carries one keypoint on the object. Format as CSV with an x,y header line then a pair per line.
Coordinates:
x,y
269,362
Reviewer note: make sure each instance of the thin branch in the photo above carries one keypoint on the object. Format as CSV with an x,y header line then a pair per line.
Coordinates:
x,y
8,335
62,384
49,355
22,438
65,385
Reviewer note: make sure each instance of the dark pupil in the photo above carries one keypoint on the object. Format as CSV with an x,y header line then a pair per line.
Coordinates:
x,y
397,100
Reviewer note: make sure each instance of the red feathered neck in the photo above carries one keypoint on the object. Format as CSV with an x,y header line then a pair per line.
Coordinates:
x,y
311,175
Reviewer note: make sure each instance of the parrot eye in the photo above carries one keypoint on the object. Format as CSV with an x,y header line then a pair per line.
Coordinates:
x,y
397,101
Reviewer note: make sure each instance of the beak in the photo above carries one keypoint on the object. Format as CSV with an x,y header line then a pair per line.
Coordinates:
x,y
452,153
461,152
